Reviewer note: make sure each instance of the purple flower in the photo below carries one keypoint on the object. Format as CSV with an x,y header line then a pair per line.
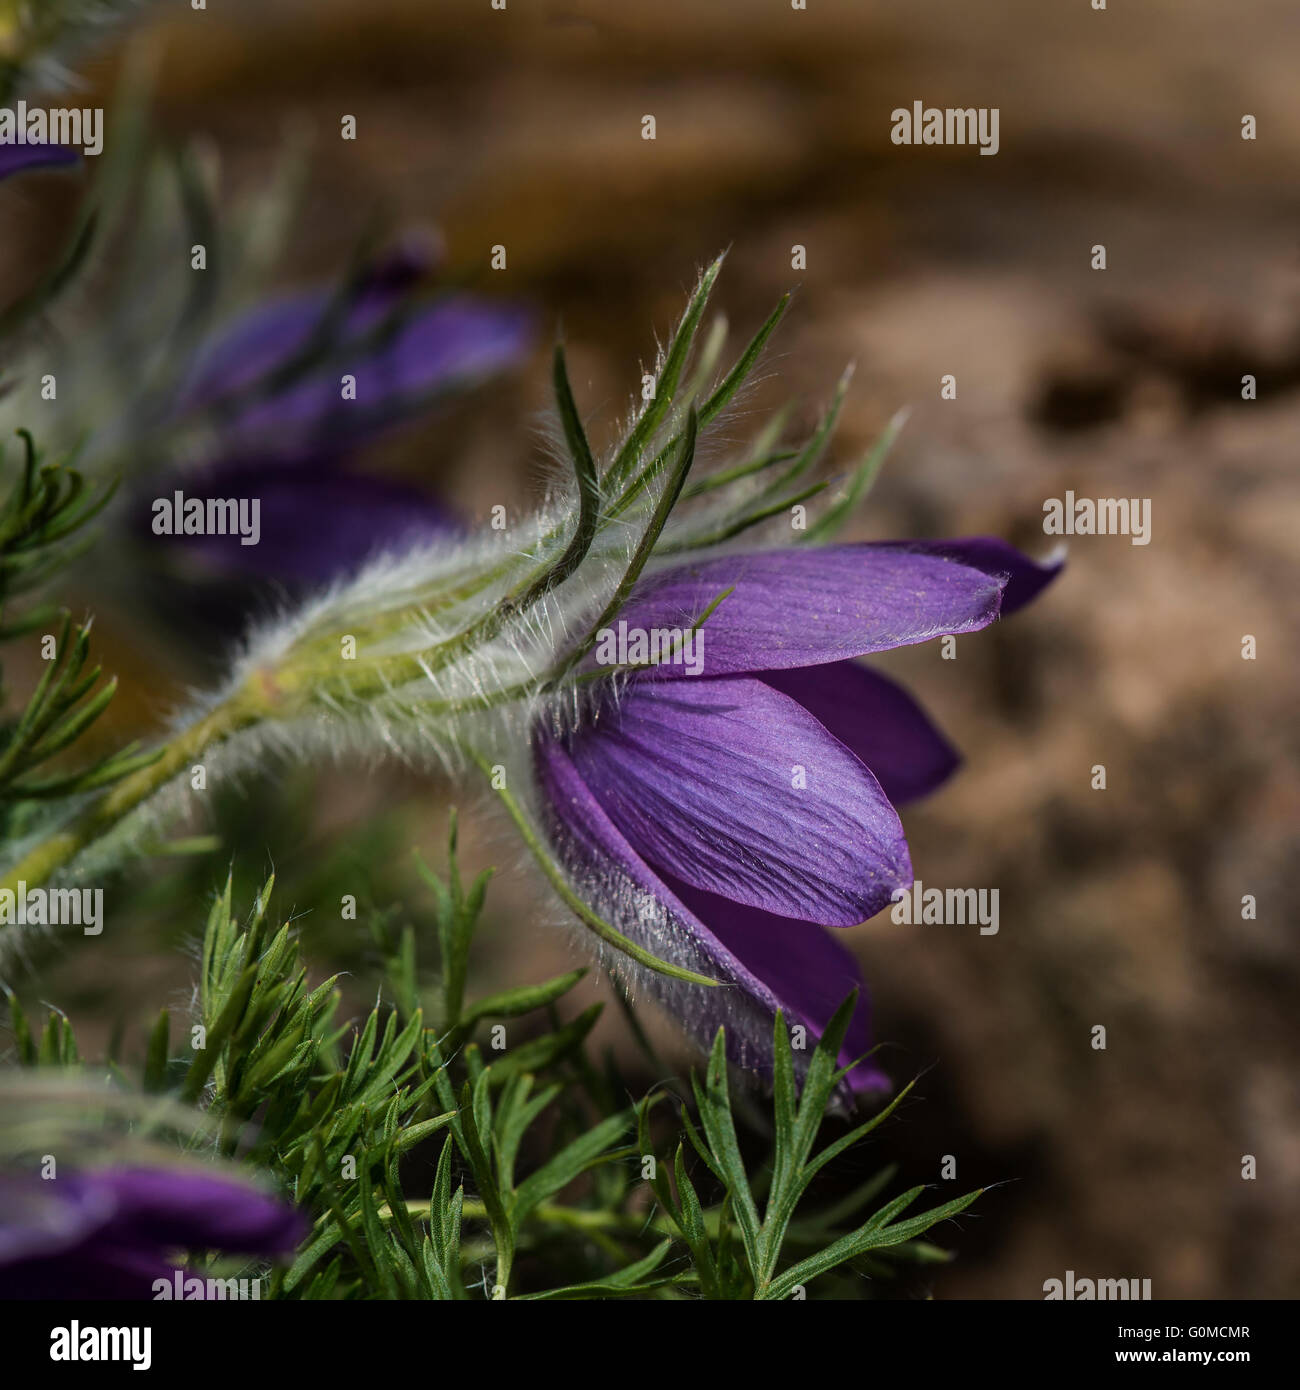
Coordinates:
x,y
15,159
271,389
274,381
731,816
111,1232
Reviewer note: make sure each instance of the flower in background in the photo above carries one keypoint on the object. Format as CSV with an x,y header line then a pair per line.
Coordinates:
x,y
275,402
16,159
738,813
319,520
269,394
111,1232
273,378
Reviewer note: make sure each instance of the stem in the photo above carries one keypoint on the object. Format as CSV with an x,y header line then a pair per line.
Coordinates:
x,y
267,694
242,710
584,1221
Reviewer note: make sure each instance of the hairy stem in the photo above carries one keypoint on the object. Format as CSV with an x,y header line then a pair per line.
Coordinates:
x,y
119,801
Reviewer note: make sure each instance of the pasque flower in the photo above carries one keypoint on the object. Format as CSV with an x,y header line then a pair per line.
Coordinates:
x,y
111,1232
739,812
707,828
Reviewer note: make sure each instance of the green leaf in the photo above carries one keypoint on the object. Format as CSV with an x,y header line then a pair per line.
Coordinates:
x,y
23,1043
588,477
625,1283
854,1136
674,480
512,1003
565,1166
861,480
714,1104
745,364
874,1235
812,452
666,381
457,916
411,1135
546,1051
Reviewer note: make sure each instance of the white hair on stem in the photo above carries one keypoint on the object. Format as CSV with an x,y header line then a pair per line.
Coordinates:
x,y
453,652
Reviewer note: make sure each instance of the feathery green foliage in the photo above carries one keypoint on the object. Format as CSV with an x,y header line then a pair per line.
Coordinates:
x,y
452,1159
44,523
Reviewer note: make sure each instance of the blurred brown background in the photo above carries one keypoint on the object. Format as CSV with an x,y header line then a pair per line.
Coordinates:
x,y
1122,127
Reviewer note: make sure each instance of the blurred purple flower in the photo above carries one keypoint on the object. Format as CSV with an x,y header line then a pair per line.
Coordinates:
x,y
15,159
316,523
273,381
270,388
109,1233
755,802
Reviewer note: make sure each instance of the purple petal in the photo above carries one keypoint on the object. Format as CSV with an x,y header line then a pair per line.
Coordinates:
x,y
42,1218
177,1209
105,1233
451,344
14,159
876,719
258,343
805,966
1023,579
700,777
316,524
804,607
276,333
766,962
